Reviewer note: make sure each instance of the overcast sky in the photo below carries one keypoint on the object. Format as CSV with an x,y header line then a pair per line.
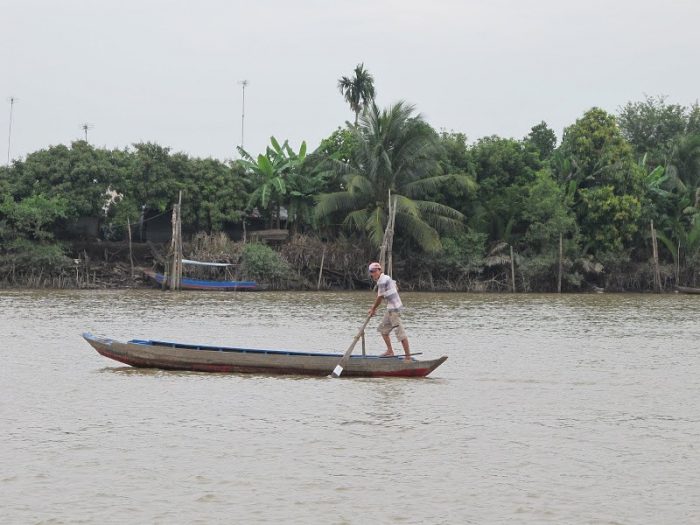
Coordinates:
x,y
169,71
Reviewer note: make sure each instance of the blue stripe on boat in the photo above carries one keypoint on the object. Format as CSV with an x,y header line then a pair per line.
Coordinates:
x,y
202,283
172,344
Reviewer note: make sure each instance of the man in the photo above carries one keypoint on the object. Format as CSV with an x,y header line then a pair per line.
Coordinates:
x,y
386,289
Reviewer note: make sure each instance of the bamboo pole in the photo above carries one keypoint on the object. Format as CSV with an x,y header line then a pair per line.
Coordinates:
x,y
655,255
561,256
512,268
320,270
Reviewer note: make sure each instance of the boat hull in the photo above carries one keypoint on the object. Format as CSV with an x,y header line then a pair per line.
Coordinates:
x,y
187,283
178,356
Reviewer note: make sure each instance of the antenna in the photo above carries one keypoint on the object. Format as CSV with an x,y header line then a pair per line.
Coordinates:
x,y
12,101
243,83
85,127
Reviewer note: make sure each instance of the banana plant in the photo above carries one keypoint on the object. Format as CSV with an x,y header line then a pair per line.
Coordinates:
x,y
270,174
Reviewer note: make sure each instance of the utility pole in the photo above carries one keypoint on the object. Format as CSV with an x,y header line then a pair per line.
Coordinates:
x,y
243,83
85,127
12,101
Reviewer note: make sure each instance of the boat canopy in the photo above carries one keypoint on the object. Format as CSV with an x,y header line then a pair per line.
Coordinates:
x,y
199,263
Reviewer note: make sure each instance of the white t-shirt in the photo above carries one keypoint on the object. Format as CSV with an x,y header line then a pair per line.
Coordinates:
x,y
386,287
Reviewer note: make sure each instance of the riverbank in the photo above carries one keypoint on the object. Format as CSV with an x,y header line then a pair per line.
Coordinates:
x,y
120,276
307,263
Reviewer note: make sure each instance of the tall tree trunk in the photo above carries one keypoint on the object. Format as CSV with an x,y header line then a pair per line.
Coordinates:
x,y
385,252
512,268
655,255
561,256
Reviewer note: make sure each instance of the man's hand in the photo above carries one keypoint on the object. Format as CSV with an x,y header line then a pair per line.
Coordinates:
x,y
372,311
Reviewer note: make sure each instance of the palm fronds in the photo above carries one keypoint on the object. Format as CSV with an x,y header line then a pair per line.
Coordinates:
x,y
395,153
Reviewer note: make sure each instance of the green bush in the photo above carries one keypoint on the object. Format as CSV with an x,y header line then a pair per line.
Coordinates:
x,y
22,256
260,262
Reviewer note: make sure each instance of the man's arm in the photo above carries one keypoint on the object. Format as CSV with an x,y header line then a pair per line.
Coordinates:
x,y
376,304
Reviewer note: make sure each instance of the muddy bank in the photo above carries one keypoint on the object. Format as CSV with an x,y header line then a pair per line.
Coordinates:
x,y
302,263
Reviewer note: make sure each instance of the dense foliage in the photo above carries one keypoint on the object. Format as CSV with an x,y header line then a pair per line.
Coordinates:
x,y
585,205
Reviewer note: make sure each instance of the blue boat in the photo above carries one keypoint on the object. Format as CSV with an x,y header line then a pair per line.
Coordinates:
x,y
202,284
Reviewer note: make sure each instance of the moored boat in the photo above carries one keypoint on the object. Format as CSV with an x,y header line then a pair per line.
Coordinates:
x,y
205,358
187,283
688,289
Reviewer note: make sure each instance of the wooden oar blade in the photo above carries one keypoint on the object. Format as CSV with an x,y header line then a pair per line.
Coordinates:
x,y
343,362
346,356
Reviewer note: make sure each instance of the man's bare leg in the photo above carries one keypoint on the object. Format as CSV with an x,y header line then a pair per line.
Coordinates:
x,y
389,349
406,349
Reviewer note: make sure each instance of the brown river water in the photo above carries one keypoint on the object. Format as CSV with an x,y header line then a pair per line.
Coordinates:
x,y
550,409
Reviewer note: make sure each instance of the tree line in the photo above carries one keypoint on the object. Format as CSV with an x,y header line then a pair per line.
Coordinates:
x,y
466,212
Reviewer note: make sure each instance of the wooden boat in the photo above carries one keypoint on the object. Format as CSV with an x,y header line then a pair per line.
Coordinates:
x,y
201,358
202,284
687,289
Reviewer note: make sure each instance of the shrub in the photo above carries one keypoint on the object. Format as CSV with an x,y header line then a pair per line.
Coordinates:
x,y
21,258
261,262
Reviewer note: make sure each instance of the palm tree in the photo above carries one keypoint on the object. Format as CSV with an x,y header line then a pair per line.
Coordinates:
x,y
395,152
681,176
684,167
358,91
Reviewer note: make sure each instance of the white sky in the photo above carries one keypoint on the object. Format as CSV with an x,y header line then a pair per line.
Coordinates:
x,y
168,71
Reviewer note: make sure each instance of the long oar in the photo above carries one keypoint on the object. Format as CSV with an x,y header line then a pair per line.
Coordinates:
x,y
346,356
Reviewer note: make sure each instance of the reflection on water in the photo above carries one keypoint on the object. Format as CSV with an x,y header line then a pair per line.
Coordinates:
x,y
563,409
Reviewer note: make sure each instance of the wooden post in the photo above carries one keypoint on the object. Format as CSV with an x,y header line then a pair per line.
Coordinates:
x,y
176,247
131,253
179,241
655,255
173,250
561,256
512,268
320,270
